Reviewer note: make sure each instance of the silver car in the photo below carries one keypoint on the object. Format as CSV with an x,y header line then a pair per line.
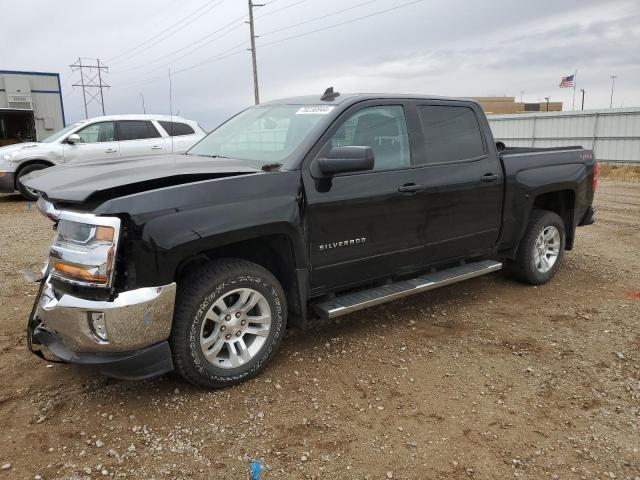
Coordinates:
x,y
109,138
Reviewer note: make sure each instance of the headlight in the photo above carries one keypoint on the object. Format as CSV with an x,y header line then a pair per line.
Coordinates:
x,y
84,250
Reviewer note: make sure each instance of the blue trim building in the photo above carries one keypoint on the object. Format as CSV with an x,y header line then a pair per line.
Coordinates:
x,y
40,92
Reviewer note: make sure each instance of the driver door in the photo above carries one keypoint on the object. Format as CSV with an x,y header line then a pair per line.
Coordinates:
x,y
97,141
364,225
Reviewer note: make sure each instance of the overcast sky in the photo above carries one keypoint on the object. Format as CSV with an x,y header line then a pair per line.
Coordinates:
x,y
442,47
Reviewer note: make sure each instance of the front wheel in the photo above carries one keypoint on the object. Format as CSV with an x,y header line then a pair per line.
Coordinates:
x,y
541,250
28,193
229,320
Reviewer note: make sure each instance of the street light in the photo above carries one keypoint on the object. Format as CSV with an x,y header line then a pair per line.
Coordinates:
x,y
547,99
582,90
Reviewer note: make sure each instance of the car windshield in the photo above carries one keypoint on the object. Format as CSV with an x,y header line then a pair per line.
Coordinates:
x,y
60,133
268,134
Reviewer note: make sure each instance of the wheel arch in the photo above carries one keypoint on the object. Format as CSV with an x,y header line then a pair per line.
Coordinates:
x,y
31,161
276,252
563,203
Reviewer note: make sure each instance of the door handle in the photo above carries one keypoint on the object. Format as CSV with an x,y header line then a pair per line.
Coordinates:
x,y
110,150
156,147
410,188
489,177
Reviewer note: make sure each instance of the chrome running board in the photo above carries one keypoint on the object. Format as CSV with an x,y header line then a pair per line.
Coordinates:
x,y
352,302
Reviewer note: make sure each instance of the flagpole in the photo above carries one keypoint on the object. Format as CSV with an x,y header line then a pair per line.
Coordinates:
x,y
575,80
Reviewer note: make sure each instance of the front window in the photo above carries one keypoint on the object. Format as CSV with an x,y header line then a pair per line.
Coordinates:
x,y
60,133
383,129
98,133
268,134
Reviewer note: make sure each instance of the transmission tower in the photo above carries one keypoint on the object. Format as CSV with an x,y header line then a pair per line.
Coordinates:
x,y
91,82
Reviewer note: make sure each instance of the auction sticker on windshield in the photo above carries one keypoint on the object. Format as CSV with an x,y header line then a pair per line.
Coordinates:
x,y
315,110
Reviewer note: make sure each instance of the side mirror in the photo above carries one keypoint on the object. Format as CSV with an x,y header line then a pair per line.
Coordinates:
x,y
346,159
500,146
73,139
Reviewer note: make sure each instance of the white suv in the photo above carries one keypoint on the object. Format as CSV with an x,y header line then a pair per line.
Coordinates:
x,y
109,138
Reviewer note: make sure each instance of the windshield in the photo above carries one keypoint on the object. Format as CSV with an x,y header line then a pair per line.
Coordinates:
x,y
267,134
60,133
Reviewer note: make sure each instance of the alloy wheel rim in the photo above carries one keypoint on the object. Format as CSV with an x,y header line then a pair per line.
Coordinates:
x,y
546,249
235,328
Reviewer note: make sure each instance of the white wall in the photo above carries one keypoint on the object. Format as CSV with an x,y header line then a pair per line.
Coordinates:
x,y
45,97
614,134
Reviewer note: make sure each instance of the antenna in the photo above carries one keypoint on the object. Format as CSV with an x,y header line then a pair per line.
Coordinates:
x,y
171,110
329,95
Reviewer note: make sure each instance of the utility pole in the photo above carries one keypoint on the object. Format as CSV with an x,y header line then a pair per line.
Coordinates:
x,y
521,93
253,50
613,81
91,83
547,99
582,90
144,110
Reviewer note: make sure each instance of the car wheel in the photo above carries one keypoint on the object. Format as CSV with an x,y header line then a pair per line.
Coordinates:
x,y
28,193
229,319
541,250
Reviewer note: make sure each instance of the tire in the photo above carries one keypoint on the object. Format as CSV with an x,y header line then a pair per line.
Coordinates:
x,y
24,191
200,324
530,265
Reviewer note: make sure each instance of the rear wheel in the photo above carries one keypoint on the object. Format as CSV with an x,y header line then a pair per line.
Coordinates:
x,y
541,250
26,192
229,320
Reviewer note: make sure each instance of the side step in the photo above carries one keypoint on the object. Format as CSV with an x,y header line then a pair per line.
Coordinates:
x,y
377,295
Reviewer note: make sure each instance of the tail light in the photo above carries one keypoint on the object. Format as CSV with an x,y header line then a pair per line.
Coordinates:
x,y
594,183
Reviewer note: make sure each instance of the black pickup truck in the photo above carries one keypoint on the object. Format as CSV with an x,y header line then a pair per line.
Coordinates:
x,y
291,210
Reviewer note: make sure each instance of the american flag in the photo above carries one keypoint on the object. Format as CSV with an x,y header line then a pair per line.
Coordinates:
x,y
567,82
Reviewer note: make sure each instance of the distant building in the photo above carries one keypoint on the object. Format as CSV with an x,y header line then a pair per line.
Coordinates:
x,y
509,105
31,106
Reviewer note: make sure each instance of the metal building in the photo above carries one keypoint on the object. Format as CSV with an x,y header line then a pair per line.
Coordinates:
x,y
613,134
31,106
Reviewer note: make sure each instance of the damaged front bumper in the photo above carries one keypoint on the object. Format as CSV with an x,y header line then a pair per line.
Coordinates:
x,y
125,338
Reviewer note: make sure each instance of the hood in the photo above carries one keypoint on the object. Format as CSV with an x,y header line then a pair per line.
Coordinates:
x,y
16,147
77,183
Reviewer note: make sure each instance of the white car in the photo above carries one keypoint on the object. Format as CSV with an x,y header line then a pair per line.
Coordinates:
x,y
111,138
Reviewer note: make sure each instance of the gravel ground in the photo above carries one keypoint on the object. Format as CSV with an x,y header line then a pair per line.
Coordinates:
x,y
485,379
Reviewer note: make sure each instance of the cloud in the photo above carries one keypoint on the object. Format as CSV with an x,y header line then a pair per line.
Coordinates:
x,y
445,47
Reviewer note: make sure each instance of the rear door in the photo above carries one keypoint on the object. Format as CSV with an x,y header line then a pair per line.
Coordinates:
x,y
97,141
139,137
462,177
365,225
181,136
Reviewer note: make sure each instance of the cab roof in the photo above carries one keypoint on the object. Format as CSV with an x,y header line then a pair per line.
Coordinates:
x,y
346,99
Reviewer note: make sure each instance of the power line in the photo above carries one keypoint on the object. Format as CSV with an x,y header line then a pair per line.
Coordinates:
x,y
210,5
315,19
192,46
280,9
220,56
357,19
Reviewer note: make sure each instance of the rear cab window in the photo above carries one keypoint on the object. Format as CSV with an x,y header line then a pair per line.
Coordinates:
x,y
451,133
176,129
136,130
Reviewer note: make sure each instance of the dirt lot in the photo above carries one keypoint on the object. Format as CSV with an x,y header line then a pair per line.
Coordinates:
x,y
485,379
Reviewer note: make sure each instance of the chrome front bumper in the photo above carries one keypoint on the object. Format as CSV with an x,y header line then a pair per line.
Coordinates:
x,y
134,319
